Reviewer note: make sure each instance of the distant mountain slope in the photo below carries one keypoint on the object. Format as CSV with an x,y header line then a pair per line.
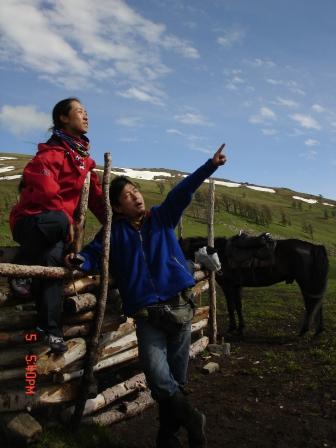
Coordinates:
x,y
254,208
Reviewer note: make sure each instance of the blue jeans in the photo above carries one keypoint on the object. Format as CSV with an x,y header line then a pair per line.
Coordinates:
x,y
164,357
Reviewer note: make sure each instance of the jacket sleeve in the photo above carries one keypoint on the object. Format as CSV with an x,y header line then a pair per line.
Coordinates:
x,y
41,176
92,254
180,196
96,201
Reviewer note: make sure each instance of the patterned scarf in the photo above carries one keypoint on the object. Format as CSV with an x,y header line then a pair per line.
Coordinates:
x,y
80,145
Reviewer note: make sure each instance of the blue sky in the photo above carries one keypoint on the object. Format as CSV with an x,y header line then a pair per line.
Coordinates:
x,y
166,82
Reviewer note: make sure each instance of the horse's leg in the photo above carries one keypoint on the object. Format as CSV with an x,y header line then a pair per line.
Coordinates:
x,y
313,281
239,310
319,322
313,313
230,303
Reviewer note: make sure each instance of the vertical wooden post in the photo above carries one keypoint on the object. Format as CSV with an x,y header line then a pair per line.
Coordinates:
x,y
80,222
88,384
212,284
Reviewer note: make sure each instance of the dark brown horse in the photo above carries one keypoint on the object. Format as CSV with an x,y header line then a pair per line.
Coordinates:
x,y
290,260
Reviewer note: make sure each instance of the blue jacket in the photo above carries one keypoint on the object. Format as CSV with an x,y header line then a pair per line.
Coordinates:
x,y
148,264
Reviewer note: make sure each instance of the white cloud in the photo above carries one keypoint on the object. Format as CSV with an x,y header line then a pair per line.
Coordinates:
x,y
79,43
192,118
28,36
286,102
24,119
128,139
269,131
181,47
265,114
230,38
291,85
234,79
311,142
128,121
317,108
140,94
306,121
259,62
174,131
200,149
311,154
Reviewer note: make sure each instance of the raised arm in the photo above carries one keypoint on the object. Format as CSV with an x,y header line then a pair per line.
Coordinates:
x,y
180,196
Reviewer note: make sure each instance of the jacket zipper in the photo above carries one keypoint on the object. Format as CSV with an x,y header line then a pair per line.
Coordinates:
x,y
180,264
146,263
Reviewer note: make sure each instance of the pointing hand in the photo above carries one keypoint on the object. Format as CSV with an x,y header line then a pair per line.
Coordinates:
x,y
219,158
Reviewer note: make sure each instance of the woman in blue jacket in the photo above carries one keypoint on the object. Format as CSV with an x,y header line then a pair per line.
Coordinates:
x,y
154,283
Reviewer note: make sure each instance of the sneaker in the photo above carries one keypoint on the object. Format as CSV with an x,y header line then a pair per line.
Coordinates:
x,y
57,344
42,335
20,286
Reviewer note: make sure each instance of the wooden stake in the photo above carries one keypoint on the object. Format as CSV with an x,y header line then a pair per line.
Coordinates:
x,y
83,205
198,346
212,284
143,401
79,303
88,377
24,271
109,395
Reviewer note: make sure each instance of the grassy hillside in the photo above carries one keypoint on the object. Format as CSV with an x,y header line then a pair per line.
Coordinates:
x,y
236,208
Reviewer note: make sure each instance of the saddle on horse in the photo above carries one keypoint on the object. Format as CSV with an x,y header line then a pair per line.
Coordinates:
x,y
246,251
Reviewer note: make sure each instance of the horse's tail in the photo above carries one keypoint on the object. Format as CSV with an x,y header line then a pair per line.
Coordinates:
x,y
320,270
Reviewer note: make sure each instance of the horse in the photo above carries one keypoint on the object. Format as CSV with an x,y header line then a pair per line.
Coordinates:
x,y
262,261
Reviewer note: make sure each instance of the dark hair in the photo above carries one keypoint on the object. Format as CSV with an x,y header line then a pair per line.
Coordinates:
x,y
116,187
62,108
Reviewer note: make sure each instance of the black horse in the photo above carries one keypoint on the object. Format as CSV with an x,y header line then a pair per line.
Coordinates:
x,y
260,261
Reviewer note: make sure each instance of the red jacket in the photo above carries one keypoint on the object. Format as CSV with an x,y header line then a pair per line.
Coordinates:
x,y
53,180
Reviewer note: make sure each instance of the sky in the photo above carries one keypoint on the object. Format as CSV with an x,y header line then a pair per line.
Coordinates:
x,y
166,82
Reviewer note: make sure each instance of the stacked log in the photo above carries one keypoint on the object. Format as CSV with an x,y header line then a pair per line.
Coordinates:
x,y
31,376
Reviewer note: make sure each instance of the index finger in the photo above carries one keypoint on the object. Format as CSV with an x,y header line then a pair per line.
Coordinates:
x,y
220,149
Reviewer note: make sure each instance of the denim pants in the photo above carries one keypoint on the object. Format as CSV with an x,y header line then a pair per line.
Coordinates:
x,y
42,242
164,357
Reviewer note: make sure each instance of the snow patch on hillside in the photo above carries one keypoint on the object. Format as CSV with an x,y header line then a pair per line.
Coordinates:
x,y
309,201
266,190
162,175
227,184
139,174
5,169
15,176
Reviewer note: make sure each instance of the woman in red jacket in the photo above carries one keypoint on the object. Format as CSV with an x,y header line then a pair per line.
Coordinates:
x,y
42,220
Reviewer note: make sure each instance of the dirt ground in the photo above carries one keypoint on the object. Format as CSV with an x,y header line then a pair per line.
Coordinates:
x,y
262,396
274,390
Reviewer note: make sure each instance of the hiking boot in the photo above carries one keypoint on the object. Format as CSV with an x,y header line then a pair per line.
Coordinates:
x,y
189,417
57,344
20,286
164,440
41,334
166,437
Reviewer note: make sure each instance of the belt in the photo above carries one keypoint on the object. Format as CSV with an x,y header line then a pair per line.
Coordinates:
x,y
181,299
